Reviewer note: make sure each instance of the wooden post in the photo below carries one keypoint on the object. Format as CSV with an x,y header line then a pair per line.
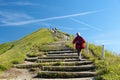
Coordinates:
x,y
103,53
87,47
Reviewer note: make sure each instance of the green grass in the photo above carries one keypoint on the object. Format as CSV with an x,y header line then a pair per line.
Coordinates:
x,y
12,54
109,68
34,44
59,63
35,54
113,66
6,46
15,52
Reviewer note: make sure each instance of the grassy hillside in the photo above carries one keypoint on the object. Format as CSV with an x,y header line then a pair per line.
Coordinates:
x,y
109,68
15,52
4,47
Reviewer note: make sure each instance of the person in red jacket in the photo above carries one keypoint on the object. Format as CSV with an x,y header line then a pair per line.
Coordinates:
x,y
79,42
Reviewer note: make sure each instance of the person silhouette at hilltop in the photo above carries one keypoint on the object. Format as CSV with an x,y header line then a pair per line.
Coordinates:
x,y
79,44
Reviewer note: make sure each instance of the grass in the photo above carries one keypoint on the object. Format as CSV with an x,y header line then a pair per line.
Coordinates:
x,y
12,54
5,47
2,68
33,44
112,63
15,52
109,68
59,63
36,53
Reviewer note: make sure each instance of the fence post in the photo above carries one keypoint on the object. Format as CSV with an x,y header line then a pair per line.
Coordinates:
x,y
87,47
103,53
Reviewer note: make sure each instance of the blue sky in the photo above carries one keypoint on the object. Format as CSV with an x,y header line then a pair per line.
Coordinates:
x,y
98,21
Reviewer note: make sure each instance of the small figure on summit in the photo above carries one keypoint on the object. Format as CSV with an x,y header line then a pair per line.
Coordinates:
x,y
79,42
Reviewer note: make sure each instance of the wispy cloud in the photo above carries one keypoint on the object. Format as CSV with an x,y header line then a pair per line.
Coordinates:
x,y
84,29
13,15
19,3
47,19
107,42
10,17
86,24
66,28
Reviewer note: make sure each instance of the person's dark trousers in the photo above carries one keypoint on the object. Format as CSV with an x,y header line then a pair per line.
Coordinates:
x,y
79,53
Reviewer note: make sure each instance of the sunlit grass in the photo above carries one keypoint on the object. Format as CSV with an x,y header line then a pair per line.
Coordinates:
x,y
109,68
15,54
6,46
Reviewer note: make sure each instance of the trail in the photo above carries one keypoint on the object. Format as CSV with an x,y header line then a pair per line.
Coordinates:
x,y
38,69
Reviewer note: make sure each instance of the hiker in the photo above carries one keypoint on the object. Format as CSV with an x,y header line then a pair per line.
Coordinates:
x,y
79,42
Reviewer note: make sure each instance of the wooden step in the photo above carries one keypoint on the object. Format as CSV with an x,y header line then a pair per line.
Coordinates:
x,y
69,68
59,57
58,74
76,63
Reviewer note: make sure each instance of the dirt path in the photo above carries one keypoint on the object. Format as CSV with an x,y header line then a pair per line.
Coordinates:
x,y
13,73
24,74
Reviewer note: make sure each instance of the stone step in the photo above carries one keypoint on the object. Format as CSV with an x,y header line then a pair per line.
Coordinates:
x,y
62,49
31,59
76,63
59,57
56,60
60,52
58,74
69,68
65,54
84,78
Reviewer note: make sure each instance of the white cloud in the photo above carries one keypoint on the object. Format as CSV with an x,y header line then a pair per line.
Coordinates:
x,y
84,29
66,28
17,3
23,3
86,24
107,42
10,17
46,19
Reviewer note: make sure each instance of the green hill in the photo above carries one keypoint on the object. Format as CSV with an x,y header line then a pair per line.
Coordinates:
x,y
15,52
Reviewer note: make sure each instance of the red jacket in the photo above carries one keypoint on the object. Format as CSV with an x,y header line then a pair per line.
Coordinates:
x,y
79,41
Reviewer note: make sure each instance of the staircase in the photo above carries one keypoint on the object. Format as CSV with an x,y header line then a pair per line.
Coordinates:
x,y
59,64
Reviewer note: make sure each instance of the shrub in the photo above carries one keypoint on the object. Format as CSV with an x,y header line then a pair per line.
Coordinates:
x,y
58,63
2,68
15,62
